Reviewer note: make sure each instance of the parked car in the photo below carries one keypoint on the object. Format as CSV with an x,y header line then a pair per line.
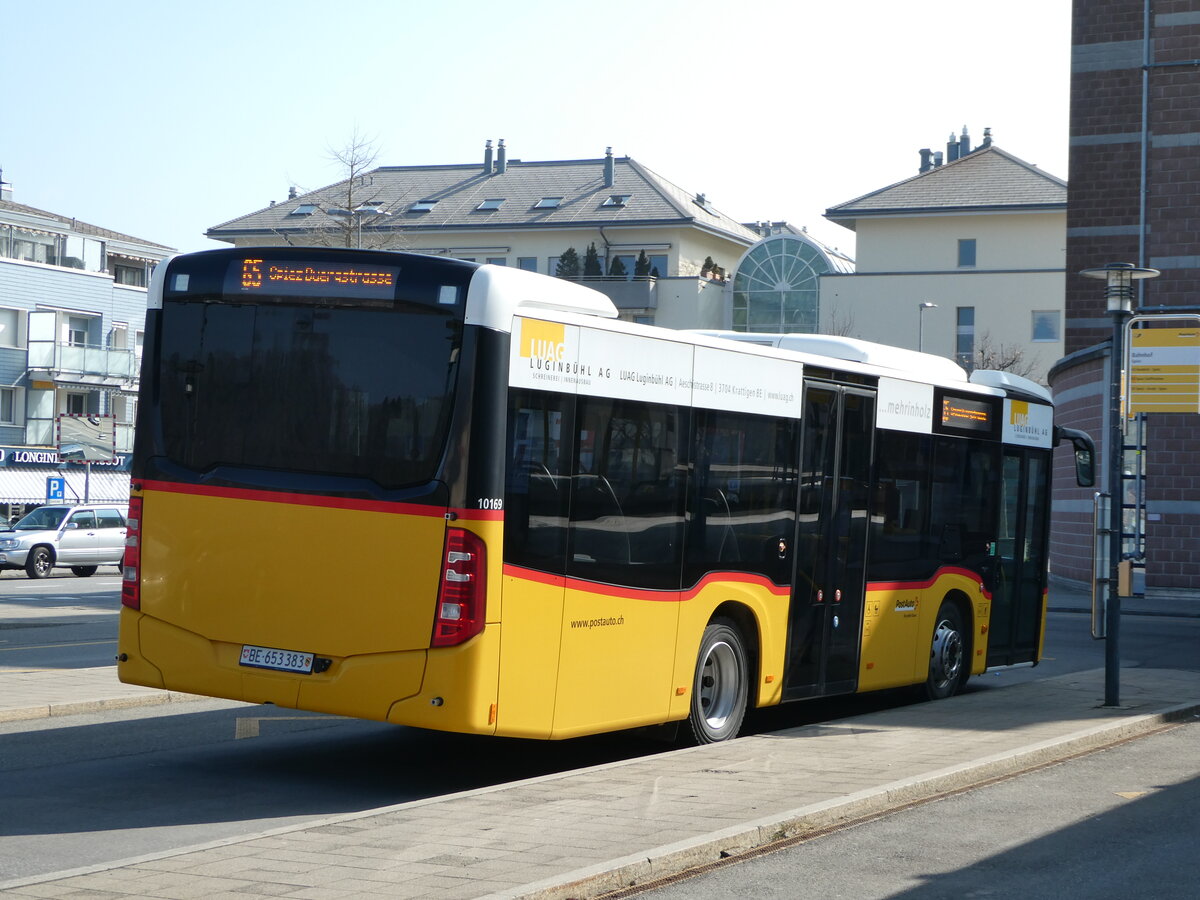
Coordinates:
x,y
81,538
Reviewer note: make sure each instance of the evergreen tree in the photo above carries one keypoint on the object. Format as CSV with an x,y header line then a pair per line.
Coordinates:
x,y
616,268
708,266
641,268
568,264
591,262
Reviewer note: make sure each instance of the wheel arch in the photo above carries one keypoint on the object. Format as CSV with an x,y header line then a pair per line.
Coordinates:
x,y
966,609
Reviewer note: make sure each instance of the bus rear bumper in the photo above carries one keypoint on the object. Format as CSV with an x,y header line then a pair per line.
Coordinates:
x,y
156,654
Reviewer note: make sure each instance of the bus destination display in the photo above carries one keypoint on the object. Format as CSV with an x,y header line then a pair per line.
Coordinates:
x,y
300,278
969,415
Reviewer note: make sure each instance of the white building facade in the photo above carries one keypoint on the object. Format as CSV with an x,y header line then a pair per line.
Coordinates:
x,y
72,314
965,260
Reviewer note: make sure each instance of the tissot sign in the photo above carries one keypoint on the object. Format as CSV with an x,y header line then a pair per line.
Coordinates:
x,y
27,456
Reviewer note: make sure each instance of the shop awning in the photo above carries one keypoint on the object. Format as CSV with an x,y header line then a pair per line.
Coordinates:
x,y
28,485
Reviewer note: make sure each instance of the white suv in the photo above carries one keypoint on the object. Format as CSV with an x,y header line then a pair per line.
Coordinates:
x,y
79,537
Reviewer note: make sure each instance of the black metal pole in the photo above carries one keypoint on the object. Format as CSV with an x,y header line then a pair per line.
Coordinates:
x,y
1116,490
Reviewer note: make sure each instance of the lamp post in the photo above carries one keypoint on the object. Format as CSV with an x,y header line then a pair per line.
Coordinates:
x,y
357,214
1118,295
921,323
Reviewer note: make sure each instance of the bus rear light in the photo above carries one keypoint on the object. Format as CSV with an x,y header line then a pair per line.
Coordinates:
x,y
462,594
131,587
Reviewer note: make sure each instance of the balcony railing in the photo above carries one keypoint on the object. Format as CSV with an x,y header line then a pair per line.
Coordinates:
x,y
97,365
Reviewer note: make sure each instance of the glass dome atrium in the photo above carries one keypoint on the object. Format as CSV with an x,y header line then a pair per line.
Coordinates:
x,y
775,285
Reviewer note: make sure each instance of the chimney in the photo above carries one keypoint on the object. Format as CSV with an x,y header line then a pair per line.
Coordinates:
x,y
951,148
964,143
487,158
987,138
501,158
292,193
5,188
609,173
926,161
937,159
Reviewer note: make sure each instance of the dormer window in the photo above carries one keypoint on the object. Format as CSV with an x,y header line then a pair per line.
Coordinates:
x,y
617,200
490,205
304,209
548,203
422,206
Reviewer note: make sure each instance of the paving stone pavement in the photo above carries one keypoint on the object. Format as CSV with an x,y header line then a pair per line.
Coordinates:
x,y
581,833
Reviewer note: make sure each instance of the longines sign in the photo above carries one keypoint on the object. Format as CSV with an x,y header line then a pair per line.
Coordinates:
x,y
24,456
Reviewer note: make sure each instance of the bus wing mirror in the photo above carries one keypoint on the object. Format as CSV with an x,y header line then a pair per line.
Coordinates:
x,y
1085,453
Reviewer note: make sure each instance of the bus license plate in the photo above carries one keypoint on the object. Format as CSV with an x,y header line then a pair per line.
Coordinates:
x,y
270,658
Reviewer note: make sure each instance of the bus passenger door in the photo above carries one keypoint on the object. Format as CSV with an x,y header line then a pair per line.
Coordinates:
x,y
1019,579
825,618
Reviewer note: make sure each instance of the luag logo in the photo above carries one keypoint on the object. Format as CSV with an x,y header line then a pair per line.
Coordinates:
x,y
543,340
1018,415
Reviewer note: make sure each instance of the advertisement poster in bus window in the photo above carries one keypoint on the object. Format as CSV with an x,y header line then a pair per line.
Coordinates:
x,y
743,382
544,356
632,367
905,406
1028,424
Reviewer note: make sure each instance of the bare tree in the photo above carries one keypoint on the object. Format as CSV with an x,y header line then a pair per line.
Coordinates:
x,y
350,212
1003,357
842,323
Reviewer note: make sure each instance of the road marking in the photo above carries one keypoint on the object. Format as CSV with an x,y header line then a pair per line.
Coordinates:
x,y
248,727
1131,795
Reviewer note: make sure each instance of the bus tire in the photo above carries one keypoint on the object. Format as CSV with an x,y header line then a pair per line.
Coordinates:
x,y
947,654
721,684
40,562
84,571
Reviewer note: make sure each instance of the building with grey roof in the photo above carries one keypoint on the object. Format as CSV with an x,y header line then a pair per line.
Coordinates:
x,y
964,259
664,254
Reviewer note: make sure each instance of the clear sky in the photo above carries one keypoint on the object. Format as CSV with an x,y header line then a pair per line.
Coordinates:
x,y
161,119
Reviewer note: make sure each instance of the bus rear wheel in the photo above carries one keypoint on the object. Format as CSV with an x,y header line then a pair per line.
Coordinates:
x,y
721,684
947,654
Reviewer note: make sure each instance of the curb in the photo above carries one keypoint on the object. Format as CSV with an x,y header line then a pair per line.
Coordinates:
x,y
673,859
55,710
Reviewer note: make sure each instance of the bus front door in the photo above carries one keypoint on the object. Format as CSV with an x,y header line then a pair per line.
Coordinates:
x,y
825,617
1019,575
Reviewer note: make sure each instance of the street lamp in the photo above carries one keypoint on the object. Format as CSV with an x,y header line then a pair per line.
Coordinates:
x,y
921,323
1118,296
358,214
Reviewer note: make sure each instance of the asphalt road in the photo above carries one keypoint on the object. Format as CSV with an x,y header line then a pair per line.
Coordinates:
x,y
1115,824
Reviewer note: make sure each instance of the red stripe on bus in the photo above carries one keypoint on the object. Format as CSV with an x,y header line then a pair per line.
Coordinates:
x,y
631,593
317,500
929,582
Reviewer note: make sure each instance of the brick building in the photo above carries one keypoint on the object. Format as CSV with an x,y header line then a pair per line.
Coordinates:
x,y
1134,197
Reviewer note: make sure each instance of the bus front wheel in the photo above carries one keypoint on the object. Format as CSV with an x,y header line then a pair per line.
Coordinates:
x,y
721,684
947,654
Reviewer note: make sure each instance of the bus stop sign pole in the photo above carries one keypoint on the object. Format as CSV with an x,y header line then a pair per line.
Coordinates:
x,y
1118,295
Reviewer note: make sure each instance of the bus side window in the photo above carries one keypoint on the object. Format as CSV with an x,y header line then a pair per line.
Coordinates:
x,y
536,481
627,494
743,502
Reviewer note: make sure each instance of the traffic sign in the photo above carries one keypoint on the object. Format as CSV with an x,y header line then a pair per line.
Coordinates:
x,y
56,489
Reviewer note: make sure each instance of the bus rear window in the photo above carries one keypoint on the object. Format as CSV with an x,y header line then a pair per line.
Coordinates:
x,y
359,391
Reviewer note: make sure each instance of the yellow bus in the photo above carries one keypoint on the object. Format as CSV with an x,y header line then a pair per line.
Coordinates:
x,y
469,498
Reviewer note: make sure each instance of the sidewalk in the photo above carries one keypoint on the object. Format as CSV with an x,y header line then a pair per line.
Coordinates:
x,y
578,834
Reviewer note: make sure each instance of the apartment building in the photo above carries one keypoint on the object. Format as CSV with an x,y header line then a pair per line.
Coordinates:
x,y
72,314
